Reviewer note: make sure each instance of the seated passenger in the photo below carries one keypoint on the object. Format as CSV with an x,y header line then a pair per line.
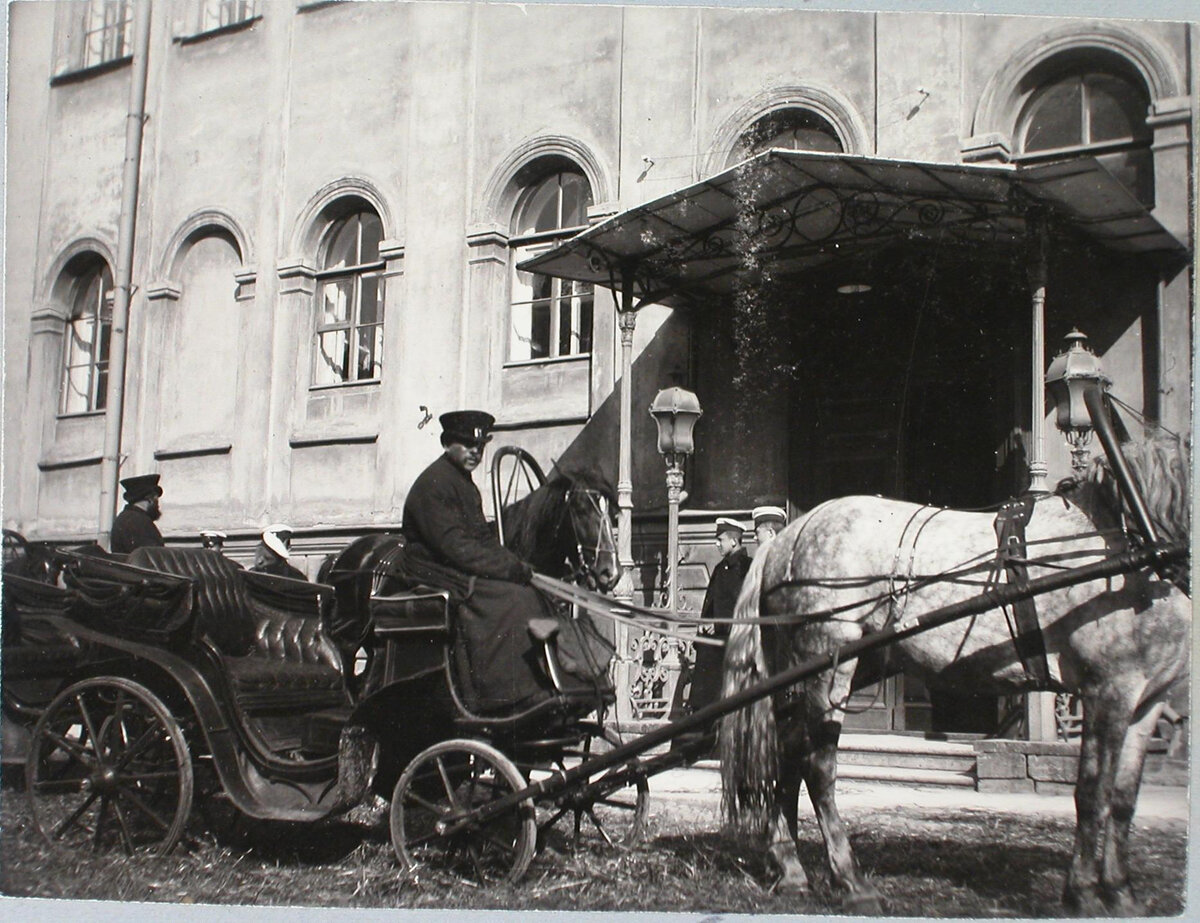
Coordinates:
x,y
271,555
444,525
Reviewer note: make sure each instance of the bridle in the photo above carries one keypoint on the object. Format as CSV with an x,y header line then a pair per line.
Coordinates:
x,y
585,567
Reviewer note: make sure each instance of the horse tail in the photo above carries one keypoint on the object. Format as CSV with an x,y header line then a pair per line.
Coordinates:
x,y
747,739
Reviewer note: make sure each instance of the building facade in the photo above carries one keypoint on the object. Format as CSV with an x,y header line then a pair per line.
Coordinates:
x,y
335,198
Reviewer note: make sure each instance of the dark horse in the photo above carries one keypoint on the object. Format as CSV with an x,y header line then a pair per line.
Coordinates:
x,y
563,527
850,565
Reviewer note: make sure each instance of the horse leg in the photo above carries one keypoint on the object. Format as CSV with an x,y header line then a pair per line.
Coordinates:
x,y
1114,874
821,777
1106,719
783,837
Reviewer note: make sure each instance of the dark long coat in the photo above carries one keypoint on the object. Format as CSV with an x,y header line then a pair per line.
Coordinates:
x,y
719,601
133,528
444,523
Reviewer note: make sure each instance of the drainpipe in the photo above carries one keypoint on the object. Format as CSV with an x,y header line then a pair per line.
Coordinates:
x,y
110,461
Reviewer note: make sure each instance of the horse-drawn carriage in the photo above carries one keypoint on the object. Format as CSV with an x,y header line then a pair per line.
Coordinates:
x,y
145,675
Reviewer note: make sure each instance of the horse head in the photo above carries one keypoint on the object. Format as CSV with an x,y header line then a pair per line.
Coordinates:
x,y
567,521
35,560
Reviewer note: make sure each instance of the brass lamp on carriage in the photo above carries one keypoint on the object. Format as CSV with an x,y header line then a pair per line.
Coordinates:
x,y
675,412
1072,372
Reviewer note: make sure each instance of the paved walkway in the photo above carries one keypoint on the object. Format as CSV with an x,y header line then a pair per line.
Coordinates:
x,y
702,783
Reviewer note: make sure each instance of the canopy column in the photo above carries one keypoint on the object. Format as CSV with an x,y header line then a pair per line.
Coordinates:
x,y
627,322
1038,469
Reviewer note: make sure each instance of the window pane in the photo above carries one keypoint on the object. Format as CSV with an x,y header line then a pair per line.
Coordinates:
x,y
343,244
1116,108
77,389
101,398
370,352
333,357
576,197
1056,117
585,321
372,233
539,330
541,212
519,338
334,298
370,311
523,282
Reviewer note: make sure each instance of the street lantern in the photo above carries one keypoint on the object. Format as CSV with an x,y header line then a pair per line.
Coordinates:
x,y
675,413
1071,374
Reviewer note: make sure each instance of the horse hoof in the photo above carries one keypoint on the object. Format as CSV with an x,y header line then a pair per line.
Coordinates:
x,y
863,904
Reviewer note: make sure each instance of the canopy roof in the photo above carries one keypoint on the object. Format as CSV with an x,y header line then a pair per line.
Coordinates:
x,y
789,211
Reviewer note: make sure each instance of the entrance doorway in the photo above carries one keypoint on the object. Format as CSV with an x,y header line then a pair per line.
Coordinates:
x,y
912,389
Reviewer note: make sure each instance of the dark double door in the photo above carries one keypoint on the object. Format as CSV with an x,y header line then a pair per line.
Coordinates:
x,y
912,390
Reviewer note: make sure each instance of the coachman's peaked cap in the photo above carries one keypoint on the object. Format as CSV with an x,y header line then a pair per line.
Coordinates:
x,y
470,427
141,487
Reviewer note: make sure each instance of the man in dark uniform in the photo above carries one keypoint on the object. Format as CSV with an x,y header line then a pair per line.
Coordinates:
x,y
134,526
719,601
444,525
271,555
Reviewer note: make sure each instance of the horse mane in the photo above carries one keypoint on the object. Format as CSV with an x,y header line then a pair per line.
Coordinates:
x,y
526,520
1161,468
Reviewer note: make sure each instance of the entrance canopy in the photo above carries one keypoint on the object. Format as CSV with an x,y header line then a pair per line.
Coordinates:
x,y
786,212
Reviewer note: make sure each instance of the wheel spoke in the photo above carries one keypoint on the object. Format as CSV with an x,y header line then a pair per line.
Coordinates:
x,y
143,741
74,815
158,776
126,836
474,851
599,826
552,820
620,805
447,784
87,722
57,786
142,806
100,815
73,747
438,809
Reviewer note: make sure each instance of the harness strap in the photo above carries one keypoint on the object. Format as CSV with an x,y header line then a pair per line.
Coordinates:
x,y
1011,521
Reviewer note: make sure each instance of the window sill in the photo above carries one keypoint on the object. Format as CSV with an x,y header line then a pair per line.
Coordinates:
x,y
196,449
194,37
554,360
314,5
81,415
313,438
55,462
342,385
83,73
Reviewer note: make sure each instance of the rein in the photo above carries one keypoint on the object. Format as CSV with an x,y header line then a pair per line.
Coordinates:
x,y
585,569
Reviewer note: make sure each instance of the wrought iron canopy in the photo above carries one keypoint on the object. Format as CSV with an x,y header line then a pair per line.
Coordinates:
x,y
785,212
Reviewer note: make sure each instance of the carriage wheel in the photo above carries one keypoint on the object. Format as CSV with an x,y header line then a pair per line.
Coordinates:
x,y
109,767
618,816
451,780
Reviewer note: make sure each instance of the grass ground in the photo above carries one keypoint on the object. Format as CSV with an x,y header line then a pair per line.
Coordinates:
x,y
966,864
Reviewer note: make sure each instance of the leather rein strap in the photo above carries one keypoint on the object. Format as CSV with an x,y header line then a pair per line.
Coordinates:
x,y
1023,624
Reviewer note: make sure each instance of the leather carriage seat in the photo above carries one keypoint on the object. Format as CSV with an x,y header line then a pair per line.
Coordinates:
x,y
223,606
274,656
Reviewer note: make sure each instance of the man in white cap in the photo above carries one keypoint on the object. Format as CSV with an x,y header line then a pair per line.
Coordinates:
x,y
212,540
271,555
769,521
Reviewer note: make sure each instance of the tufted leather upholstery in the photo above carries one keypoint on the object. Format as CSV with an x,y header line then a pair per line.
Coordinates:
x,y
220,598
276,654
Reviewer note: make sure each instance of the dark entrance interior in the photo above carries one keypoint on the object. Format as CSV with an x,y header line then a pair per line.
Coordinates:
x,y
913,389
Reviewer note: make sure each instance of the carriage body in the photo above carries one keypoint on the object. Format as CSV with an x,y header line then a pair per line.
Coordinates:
x,y
237,677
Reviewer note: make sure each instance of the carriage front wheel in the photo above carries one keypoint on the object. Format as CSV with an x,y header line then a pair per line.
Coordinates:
x,y
109,768
450,782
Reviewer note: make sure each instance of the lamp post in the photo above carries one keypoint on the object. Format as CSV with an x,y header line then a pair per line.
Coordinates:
x,y
675,412
1072,372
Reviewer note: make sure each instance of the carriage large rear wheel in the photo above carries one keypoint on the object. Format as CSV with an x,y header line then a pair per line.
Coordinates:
x,y
109,768
450,781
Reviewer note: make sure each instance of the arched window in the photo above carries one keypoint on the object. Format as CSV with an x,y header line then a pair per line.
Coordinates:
x,y
350,299
89,329
549,317
793,129
1096,108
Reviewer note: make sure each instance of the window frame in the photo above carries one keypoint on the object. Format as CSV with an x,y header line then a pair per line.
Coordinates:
x,y
73,43
352,325
99,357
523,246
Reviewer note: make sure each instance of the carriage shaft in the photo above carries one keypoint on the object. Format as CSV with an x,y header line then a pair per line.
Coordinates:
x,y
993,598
